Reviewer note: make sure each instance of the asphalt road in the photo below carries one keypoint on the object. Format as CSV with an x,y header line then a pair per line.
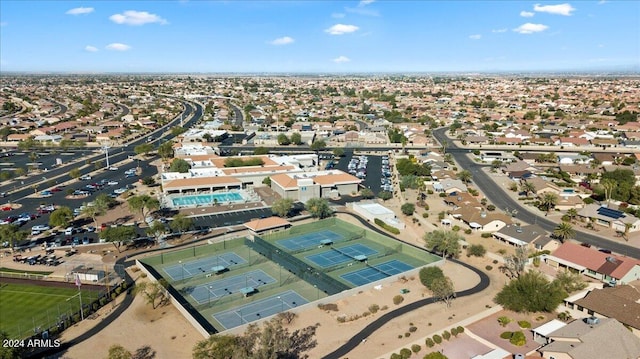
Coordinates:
x,y
496,195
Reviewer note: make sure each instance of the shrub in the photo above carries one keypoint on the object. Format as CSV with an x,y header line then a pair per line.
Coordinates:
x,y
455,228
413,329
467,231
330,307
407,335
384,307
143,275
398,299
437,339
341,319
396,356
505,335
502,251
476,250
429,191
429,343
446,335
442,194
485,235
373,308
488,267
503,321
454,331
425,215
495,261
415,348
460,329
426,206
387,227
405,353
364,314
518,339
524,324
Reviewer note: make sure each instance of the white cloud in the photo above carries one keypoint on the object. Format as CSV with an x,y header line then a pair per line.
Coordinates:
x,y
132,17
560,9
475,37
497,31
365,2
90,48
530,28
527,13
602,2
282,41
118,47
337,15
80,11
340,29
341,59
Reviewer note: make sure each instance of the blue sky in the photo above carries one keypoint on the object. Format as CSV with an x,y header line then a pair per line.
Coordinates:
x,y
318,36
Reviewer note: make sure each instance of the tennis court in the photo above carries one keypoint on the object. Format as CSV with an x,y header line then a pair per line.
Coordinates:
x,y
227,286
336,256
376,272
263,308
309,240
203,266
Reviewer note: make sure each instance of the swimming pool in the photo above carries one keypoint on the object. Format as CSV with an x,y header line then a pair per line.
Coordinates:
x,y
568,190
208,199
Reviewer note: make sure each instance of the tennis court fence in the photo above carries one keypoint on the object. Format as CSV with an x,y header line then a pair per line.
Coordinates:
x,y
296,266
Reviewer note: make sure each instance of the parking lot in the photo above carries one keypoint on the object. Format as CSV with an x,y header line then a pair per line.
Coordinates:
x,y
373,173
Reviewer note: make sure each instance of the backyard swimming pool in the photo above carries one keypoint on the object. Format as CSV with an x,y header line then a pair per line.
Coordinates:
x,y
208,199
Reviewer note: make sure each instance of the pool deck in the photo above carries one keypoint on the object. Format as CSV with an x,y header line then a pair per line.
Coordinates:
x,y
221,208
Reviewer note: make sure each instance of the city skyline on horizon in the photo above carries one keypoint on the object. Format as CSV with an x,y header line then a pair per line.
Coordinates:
x,y
324,37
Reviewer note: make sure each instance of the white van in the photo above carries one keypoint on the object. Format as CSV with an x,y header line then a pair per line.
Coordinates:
x,y
69,231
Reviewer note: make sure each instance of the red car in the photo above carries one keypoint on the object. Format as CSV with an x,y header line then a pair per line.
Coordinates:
x,y
6,208
56,189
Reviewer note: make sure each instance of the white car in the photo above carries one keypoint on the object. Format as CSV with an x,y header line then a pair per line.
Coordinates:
x,y
112,183
85,177
120,190
113,168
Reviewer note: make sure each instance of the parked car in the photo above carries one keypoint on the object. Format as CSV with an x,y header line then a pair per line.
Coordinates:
x,y
85,178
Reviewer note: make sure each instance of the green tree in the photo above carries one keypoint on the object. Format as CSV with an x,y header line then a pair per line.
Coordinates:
x,y
531,292
143,202
165,150
261,151
408,209
143,149
12,234
447,243
118,235
367,193
572,213
119,352
570,281
74,173
177,130
181,223
318,208
216,346
283,140
429,274
564,231
465,176
296,138
318,145
385,195
435,355
156,229
527,187
282,207
179,165
443,289
8,351
61,217
93,212
338,152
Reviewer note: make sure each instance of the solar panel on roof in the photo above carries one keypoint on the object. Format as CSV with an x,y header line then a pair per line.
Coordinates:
x,y
611,213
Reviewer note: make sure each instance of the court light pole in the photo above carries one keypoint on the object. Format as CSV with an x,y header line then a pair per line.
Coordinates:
x,y
210,288
317,291
182,266
281,304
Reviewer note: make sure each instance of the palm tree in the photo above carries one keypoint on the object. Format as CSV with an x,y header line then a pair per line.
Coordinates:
x,y
564,231
608,184
548,201
465,176
572,213
527,187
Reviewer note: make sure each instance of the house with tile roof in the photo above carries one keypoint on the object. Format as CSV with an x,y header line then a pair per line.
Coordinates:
x,y
267,225
481,220
591,338
605,267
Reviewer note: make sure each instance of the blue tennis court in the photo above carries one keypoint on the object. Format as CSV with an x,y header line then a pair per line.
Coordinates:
x,y
227,286
377,272
344,254
308,240
259,309
186,270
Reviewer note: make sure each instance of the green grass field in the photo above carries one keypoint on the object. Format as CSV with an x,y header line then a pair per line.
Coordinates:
x,y
24,307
